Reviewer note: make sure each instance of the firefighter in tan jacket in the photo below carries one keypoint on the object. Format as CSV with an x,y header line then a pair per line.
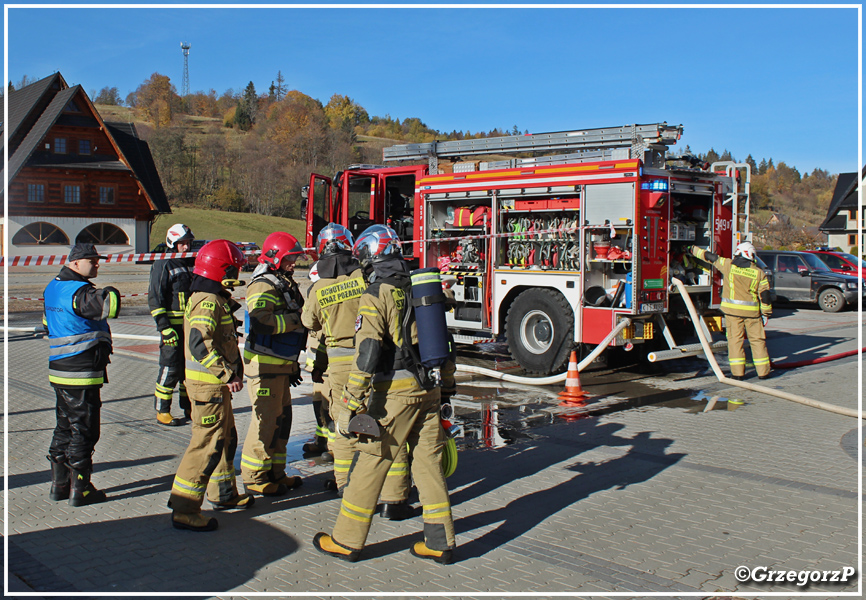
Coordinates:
x,y
332,308
213,372
387,385
274,341
746,305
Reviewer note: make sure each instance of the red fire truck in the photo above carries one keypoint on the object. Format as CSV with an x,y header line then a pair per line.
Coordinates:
x,y
555,246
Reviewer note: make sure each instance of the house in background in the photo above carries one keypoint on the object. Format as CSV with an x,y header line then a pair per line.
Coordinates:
x,y
75,178
844,213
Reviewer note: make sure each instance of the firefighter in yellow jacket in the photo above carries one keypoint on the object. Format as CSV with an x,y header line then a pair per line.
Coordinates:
x,y
391,387
275,338
332,307
213,372
746,305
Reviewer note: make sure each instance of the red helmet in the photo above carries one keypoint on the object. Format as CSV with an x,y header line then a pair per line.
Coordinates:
x,y
278,245
218,260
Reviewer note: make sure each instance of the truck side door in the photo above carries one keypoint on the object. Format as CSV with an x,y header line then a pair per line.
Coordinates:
x,y
318,207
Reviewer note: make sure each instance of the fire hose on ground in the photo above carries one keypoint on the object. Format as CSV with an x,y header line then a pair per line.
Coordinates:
x,y
751,386
552,379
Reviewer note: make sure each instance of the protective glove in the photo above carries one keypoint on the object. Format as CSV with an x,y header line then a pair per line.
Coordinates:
x,y
342,422
169,337
764,319
295,379
317,375
689,249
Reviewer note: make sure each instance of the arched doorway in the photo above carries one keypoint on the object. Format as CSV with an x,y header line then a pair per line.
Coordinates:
x,y
105,234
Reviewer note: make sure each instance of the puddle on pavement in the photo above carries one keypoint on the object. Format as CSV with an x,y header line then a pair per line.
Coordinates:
x,y
496,414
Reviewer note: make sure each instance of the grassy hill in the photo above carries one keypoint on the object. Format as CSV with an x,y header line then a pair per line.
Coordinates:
x,y
214,224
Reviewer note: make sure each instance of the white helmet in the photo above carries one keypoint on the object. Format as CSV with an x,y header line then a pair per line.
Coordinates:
x,y
746,249
178,233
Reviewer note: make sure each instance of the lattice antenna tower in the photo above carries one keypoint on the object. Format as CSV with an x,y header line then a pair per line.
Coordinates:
x,y
184,86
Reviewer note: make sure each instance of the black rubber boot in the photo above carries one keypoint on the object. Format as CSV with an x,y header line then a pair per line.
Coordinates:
x,y
315,448
59,480
83,493
397,512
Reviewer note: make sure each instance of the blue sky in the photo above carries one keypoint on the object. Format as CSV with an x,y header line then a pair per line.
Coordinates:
x,y
772,82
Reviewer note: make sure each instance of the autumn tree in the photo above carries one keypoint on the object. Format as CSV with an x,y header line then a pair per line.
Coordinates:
x,y
158,99
345,113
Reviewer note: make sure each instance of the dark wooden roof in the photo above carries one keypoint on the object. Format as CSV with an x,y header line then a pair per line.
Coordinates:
x,y
844,199
36,108
137,153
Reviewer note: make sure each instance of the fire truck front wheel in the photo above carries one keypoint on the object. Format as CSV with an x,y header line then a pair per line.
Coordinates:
x,y
540,330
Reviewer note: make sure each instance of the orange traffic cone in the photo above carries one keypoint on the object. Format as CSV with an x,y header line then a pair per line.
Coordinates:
x,y
573,394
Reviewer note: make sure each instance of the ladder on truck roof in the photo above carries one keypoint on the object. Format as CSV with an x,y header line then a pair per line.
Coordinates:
x,y
647,142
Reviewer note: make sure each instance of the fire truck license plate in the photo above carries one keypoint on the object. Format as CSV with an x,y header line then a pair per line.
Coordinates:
x,y
652,307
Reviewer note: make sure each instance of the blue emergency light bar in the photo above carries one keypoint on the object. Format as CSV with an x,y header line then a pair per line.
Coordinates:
x,y
655,185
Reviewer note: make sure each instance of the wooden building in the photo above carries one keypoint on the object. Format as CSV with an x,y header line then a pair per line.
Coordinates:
x,y
844,213
75,178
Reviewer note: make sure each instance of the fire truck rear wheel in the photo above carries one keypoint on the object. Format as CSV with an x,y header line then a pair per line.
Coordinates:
x,y
540,331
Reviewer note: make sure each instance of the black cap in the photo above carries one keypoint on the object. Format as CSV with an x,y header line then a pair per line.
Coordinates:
x,y
81,251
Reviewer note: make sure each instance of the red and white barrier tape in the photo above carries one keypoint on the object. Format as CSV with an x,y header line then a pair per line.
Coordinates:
x,y
59,259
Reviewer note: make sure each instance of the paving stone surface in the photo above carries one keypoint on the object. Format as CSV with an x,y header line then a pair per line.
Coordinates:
x,y
660,499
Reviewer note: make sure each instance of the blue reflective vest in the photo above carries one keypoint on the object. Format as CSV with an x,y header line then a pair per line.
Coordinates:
x,y
70,334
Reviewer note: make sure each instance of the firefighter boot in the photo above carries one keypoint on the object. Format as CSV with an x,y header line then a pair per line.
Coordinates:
x,y
267,489
59,479
241,501
326,545
421,550
83,493
165,418
193,521
397,512
290,481
316,447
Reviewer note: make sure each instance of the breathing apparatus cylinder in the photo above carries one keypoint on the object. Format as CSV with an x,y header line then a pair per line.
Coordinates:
x,y
429,303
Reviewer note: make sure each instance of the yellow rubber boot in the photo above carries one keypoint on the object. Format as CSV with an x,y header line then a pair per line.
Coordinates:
x,y
326,545
421,550
193,521
167,420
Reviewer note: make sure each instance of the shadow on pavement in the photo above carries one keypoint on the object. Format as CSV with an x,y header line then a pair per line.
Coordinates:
x,y
44,477
644,459
146,554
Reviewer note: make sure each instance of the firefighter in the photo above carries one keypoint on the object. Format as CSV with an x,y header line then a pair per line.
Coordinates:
x,y
333,309
167,297
316,365
274,342
75,316
387,385
746,305
214,371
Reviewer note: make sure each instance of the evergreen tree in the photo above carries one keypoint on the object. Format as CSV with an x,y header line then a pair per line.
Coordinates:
x,y
762,168
726,155
247,110
280,88
770,164
751,162
711,156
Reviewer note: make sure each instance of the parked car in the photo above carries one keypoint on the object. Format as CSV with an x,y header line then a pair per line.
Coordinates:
x,y
839,262
803,277
251,250
768,273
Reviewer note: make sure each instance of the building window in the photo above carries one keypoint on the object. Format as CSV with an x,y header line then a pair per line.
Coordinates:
x,y
102,234
60,145
106,194
852,239
84,146
72,194
35,192
71,106
41,234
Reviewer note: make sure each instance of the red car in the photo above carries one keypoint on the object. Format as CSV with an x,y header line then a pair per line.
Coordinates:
x,y
839,262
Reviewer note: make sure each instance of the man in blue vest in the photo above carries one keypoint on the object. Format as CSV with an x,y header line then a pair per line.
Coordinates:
x,y
75,316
